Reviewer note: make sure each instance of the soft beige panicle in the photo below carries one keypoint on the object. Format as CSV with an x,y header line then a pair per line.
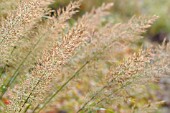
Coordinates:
x,y
6,6
130,67
18,22
135,71
140,69
13,29
126,32
110,38
117,77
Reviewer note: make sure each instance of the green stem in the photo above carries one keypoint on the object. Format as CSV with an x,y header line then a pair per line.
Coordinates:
x,y
123,86
15,74
26,100
110,95
25,111
98,92
93,97
57,91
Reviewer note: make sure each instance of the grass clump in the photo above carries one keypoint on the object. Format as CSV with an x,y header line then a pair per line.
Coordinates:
x,y
45,62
